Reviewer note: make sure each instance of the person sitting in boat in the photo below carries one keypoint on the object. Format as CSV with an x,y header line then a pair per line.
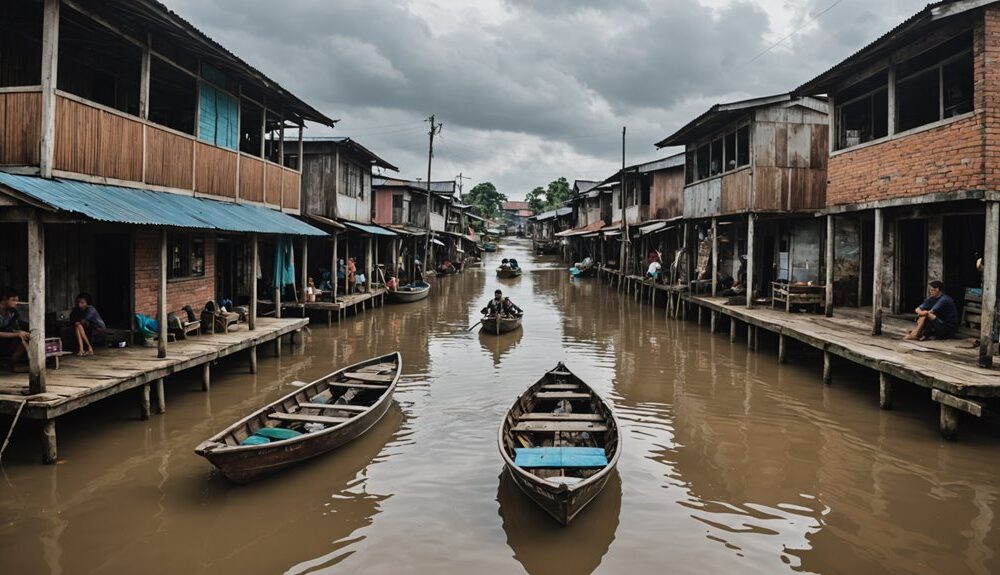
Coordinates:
x,y
505,264
501,305
514,264
392,284
446,267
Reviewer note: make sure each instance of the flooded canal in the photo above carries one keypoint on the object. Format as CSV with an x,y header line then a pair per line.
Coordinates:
x,y
731,463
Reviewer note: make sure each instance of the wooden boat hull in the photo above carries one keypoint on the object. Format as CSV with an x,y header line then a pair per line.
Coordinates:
x,y
562,500
408,294
245,463
501,324
508,273
489,247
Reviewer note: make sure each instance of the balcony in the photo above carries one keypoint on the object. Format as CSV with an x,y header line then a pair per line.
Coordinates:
x,y
94,142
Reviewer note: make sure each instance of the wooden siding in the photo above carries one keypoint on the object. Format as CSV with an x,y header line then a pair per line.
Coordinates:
x,y
789,160
290,188
251,179
272,184
666,194
735,192
169,159
703,199
216,171
96,142
20,128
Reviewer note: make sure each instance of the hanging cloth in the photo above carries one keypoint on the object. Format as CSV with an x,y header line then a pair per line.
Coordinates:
x,y
284,263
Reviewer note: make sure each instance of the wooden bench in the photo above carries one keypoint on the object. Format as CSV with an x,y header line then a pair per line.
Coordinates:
x,y
797,295
357,385
368,377
564,426
54,349
560,387
558,395
302,418
560,417
335,407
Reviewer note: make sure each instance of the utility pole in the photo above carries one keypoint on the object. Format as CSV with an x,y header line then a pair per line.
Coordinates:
x,y
461,192
435,129
621,200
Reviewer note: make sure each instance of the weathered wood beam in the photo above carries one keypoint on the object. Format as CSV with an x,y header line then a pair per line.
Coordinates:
x,y
161,397
368,264
144,403
253,359
50,451
830,231
161,299
987,347
304,273
715,257
333,271
50,68
750,257
879,252
206,376
36,306
974,408
884,390
827,367
254,272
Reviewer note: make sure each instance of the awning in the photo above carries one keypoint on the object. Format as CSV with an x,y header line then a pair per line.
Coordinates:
x,y
369,229
406,230
326,221
582,230
147,207
437,241
493,231
652,228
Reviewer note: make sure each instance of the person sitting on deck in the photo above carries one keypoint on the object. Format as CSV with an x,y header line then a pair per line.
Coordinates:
x,y
13,338
653,272
937,317
392,284
500,305
87,323
325,280
352,270
311,290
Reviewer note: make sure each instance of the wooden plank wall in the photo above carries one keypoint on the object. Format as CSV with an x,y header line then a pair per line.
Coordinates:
x,y
169,159
216,171
789,157
290,188
20,128
736,192
272,184
96,142
251,179
703,198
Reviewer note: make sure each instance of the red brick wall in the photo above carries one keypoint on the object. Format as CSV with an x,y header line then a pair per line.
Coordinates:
x,y
194,292
962,155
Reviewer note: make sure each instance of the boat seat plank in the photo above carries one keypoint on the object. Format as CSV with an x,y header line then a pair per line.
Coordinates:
x,y
567,426
561,395
357,385
560,457
335,407
378,367
560,417
369,377
560,373
560,387
298,417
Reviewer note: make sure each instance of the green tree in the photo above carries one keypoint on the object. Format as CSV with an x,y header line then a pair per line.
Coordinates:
x,y
487,201
549,198
537,200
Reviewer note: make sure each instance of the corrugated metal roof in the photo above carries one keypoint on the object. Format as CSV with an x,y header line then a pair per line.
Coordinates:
x,y
369,229
147,207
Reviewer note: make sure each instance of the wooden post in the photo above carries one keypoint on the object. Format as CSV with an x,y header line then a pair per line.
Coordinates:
x,y
254,272
750,255
144,79
884,390
161,397
333,270
277,302
732,329
305,270
715,261
877,275
830,230
368,264
36,304
827,367
161,298
714,322
144,407
50,450
206,376
751,337
988,318
50,67
949,422
782,345
253,359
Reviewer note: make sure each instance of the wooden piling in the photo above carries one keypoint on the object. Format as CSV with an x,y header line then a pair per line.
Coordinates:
x,y
884,390
253,359
782,344
144,406
990,264
206,376
732,329
49,447
949,422
827,367
161,397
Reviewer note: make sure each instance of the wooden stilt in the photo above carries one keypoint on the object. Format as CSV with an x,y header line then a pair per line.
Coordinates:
x,y
161,298
144,406
161,397
714,322
827,368
884,391
949,422
206,376
36,304
987,347
750,257
751,337
782,348
701,313
253,359
877,275
254,271
277,346
732,329
829,264
49,447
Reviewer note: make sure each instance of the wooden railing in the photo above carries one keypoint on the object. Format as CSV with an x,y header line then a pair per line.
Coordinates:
x,y
97,141
20,127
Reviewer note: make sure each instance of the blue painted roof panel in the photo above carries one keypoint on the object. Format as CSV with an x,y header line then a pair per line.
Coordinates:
x,y
137,206
369,229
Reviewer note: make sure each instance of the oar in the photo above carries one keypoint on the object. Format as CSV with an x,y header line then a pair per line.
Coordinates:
x,y
474,325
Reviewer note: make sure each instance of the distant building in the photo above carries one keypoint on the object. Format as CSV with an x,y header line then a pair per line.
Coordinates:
x,y
516,216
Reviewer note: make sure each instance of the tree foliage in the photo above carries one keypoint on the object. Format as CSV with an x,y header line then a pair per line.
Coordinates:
x,y
544,199
487,201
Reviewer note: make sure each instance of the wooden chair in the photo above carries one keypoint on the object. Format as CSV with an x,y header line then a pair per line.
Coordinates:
x,y
54,349
219,321
181,328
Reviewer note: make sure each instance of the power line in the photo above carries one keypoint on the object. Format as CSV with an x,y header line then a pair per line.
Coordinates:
x,y
810,20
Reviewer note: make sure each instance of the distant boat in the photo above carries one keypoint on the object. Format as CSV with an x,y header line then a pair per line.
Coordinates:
x,y
501,324
560,443
308,422
507,273
410,292
489,247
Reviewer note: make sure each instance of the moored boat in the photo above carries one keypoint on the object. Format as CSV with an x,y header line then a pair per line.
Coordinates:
x,y
560,443
489,247
410,292
308,422
508,272
501,324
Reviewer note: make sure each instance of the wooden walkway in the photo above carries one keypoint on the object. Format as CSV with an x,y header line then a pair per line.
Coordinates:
x,y
81,381
344,303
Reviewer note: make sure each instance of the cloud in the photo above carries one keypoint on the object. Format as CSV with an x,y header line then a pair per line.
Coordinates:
x,y
530,90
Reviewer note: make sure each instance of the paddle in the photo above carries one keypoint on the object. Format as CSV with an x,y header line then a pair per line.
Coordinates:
x,y
474,325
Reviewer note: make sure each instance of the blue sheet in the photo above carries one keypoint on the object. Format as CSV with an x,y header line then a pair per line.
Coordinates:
x,y
537,457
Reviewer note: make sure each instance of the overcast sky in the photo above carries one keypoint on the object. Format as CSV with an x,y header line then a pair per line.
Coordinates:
x,y
530,90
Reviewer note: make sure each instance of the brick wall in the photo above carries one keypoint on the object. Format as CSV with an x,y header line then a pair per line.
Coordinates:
x,y
961,155
194,292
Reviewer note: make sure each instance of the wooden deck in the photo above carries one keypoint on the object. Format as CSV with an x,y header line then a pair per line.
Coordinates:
x,y
340,307
81,381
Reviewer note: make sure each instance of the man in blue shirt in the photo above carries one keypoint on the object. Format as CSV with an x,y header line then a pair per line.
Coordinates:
x,y
13,336
937,317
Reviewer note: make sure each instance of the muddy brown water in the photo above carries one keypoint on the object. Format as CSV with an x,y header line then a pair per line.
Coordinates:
x,y
730,462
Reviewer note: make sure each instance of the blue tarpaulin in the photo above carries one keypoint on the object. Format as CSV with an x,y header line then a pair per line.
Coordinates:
x,y
284,262
551,457
138,206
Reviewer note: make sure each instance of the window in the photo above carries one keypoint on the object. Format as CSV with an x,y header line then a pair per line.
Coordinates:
x,y
185,256
218,117
173,97
730,151
704,161
743,147
20,44
98,65
251,117
351,180
935,85
716,164
689,167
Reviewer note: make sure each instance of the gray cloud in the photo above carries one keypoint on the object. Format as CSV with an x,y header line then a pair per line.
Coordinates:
x,y
530,90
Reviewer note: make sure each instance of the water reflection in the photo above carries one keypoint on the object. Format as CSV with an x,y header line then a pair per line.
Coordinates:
x,y
543,546
501,345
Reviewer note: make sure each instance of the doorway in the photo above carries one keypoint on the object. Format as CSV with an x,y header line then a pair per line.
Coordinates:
x,y
912,257
964,237
113,279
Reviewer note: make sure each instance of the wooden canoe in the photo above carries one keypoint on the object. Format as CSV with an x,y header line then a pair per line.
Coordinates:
x,y
502,324
533,426
506,273
410,293
342,405
489,247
